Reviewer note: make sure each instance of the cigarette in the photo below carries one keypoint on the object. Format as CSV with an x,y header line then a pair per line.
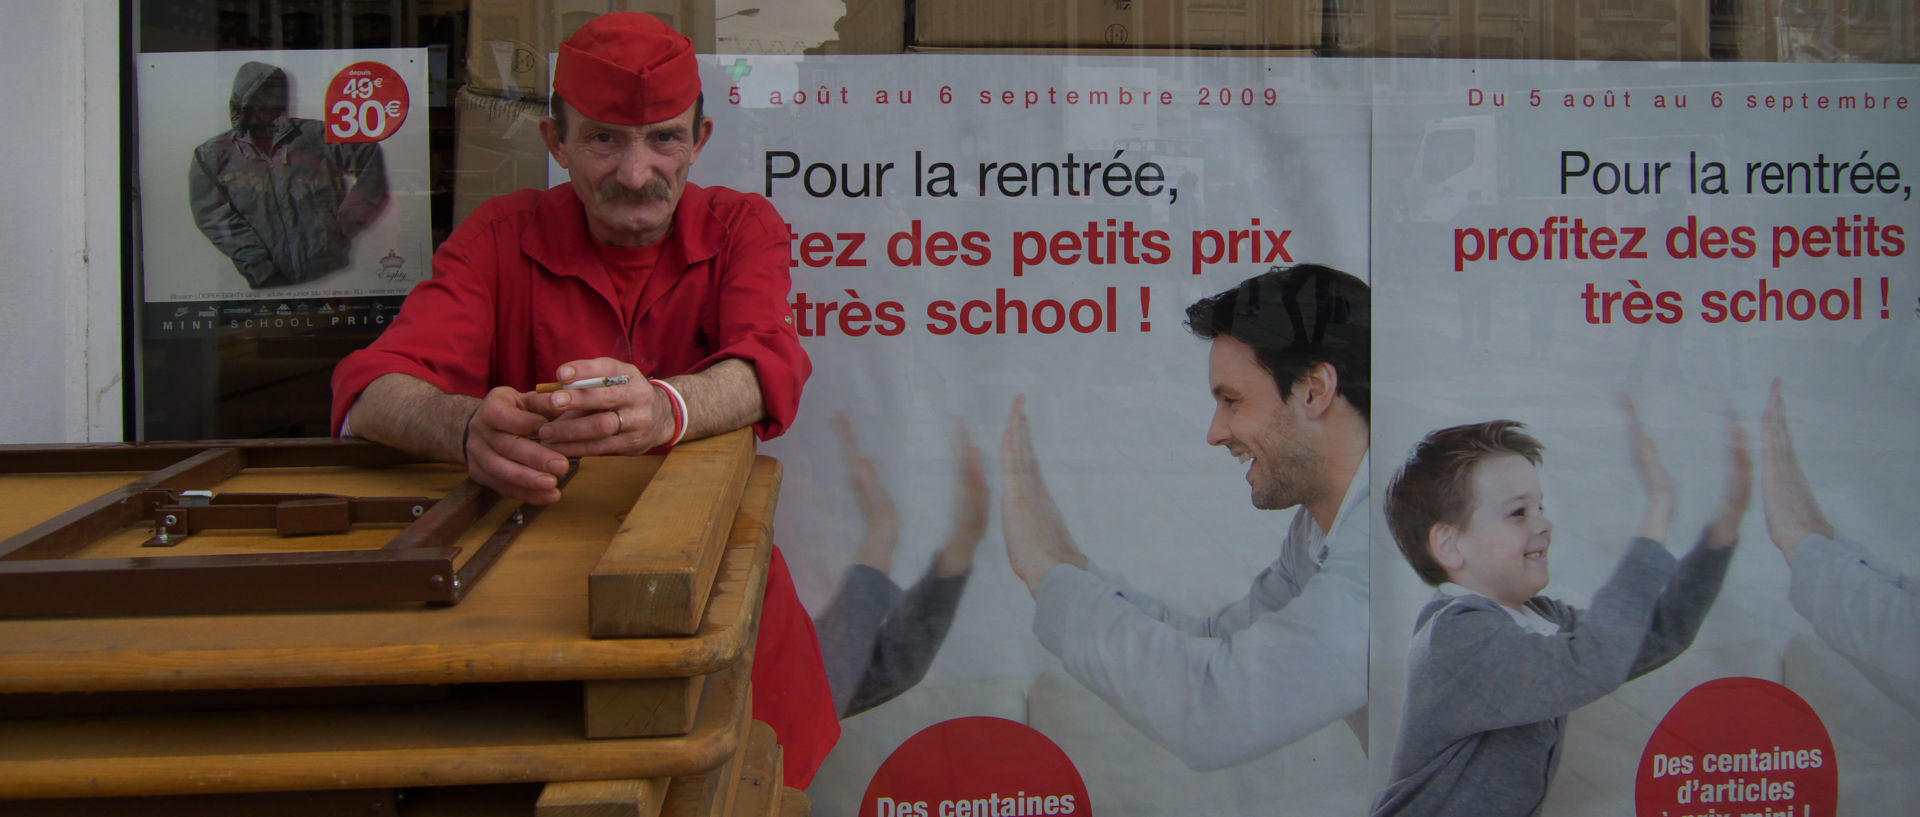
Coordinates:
x,y
589,383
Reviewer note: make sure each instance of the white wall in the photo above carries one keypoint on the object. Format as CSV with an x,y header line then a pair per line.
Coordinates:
x,y
59,222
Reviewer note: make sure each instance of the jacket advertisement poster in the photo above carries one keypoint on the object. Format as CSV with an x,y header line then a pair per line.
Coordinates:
x,y
300,182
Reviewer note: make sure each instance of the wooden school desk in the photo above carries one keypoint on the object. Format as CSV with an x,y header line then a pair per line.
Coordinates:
x,y
604,657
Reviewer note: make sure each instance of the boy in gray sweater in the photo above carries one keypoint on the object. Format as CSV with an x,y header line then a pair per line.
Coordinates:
x,y
1495,667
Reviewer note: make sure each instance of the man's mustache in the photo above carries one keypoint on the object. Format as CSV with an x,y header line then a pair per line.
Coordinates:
x,y
615,192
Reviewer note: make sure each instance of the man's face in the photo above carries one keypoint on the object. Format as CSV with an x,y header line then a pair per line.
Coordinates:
x,y
1255,425
1503,546
629,177
268,104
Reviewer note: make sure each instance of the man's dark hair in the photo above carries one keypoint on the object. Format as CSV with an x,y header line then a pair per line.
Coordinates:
x,y
1436,485
1295,317
557,110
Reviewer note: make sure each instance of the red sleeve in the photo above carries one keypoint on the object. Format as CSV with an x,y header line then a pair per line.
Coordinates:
x,y
756,322
444,333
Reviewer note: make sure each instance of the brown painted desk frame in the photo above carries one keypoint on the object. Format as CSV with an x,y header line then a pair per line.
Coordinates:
x,y
40,577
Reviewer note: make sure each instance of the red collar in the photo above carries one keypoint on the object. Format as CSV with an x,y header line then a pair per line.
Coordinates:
x,y
557,237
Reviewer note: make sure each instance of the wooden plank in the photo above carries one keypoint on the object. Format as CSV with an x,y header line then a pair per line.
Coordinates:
x,y
754,521
527,622
731,784
696,795
794,803
484,733
759,792
643,708
47,704
377,803
655,575
33,500
602,798
665,706
709,794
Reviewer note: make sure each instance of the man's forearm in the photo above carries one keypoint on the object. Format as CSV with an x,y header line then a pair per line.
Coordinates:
x,y
724,397
1213,701
413,415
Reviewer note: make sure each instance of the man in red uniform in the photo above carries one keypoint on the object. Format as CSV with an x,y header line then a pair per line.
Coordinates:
x,y
628,270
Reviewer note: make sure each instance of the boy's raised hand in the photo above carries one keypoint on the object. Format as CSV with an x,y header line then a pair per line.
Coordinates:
x,y
1653,475
1724,530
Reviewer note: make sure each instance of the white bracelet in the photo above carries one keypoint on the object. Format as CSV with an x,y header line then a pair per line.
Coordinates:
x,y
679,411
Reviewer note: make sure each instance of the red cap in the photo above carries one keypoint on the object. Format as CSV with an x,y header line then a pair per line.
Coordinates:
x,y
627,68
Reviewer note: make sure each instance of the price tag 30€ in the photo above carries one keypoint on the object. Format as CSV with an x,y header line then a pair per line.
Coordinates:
x,y
366,102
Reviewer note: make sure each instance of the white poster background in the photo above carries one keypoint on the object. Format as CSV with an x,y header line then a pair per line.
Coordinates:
x,y
183,102
1512,339
1373,167
1119,417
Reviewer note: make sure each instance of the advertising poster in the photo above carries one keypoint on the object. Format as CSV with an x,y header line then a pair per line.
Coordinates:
x,y
972,233
1550,240
279,186
1033,520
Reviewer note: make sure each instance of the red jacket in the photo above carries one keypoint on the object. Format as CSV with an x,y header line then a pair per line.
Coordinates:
x,y
518,290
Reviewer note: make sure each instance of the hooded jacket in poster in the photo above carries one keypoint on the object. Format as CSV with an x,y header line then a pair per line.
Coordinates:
x,y
273,195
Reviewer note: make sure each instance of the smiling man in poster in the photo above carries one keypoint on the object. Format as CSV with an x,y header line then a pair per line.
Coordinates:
x,y
1289,373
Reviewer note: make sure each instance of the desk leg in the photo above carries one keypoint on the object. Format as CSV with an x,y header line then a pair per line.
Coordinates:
x,y
644,708
794,803
711,794
759,787
602,798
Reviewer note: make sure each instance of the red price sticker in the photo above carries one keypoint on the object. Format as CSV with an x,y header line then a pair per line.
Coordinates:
x,y
977,767
1739,746
366,102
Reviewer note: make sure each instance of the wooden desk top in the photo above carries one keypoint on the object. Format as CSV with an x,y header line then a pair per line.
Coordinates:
x,y
482,734
526,621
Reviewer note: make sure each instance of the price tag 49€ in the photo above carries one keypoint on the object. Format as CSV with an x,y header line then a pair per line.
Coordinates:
x,y
366,102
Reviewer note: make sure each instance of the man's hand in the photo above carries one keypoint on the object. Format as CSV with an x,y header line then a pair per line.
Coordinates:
x,y
1653,475
1037,538
1792,512
969,512
489,435
501,453
1724,530
630,418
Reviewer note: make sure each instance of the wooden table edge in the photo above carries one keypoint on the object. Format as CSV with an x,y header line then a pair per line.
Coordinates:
x,y
721,644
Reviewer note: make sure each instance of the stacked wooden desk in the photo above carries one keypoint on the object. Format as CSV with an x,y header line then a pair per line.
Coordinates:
x,y
629,699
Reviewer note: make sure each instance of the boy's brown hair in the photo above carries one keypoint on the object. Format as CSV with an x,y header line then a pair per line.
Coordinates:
x,y
1436,485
